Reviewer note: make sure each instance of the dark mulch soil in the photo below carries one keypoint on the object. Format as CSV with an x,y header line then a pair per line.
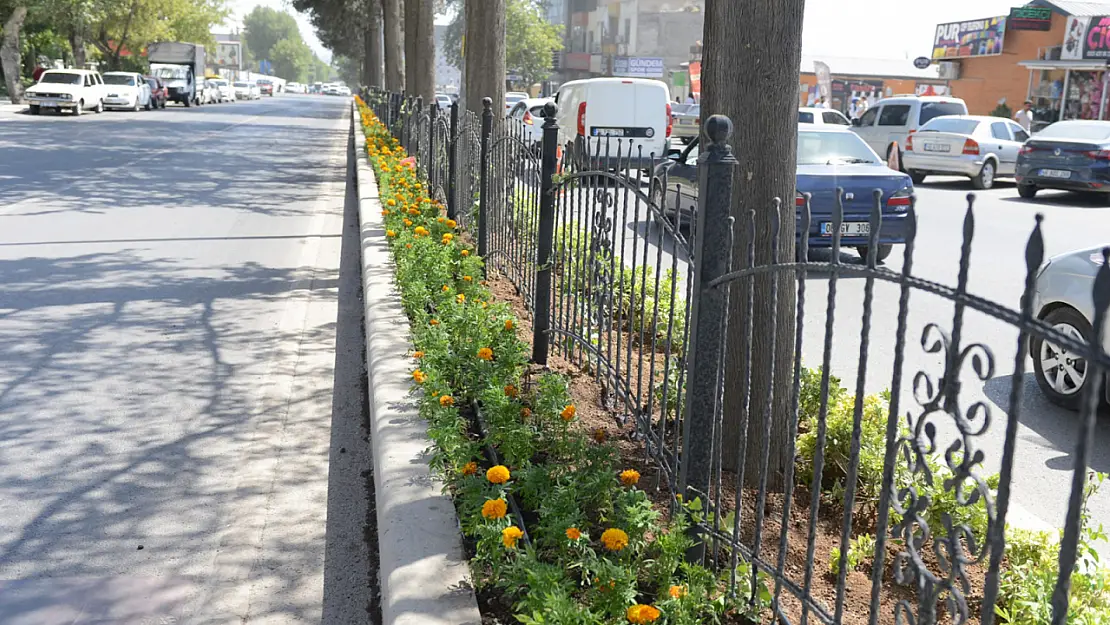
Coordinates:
x,y
595,416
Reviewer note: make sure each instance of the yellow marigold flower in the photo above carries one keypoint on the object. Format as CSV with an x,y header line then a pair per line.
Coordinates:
x,y
568,413
446,288
451,223
447,237
469,468
419,376
434,322
441,220
390,233
508,324
629,477
391,202
465,252
510,391
421,231
484,353
418,354
408,222
614,539
573,533
510,535
446,400
460,298
498,474
641,614
677,592
494,509
526,412
414,211
467,279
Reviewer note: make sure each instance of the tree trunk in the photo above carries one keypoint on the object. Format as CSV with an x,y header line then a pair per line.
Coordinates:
x,y
412,19
758,42
394,54
77,42
372,61
9,53
484,55
423,60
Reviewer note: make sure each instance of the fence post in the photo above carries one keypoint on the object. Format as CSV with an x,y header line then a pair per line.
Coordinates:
x,y
452,149
483,184
709,307
545,236
430,167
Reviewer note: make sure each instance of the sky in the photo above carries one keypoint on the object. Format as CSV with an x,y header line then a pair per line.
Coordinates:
x,y
881,29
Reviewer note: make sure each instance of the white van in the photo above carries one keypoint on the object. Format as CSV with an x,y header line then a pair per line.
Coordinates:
x,y
619,122
888,122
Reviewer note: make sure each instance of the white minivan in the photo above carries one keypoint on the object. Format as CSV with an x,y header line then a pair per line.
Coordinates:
x,y
620,123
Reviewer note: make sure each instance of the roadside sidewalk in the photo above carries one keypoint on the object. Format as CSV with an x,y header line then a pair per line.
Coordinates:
x,y
8,109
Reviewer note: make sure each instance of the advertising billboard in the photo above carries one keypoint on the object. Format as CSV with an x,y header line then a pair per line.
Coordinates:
x,y
1030,18
638,67
1087,39
229,55
959,40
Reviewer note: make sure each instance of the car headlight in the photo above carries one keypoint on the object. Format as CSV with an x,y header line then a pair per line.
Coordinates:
x,y
67,96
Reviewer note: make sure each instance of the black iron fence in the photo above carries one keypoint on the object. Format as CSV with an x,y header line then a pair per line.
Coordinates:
x,y
629,276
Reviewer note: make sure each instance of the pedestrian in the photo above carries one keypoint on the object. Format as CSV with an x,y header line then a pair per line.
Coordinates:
x,y
853,108
862,107
689,99
1024,117
39,70
677,100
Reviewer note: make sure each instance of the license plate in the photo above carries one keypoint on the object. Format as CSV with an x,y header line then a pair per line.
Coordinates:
x,y
1055,173
113,95
608,132
938,147
848,228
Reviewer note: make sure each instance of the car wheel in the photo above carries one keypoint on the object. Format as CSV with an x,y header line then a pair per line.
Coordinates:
x,y
1061,374
135,108
187,102
34,108
1027,191
149,104
882,252
77,110
917,176
985,179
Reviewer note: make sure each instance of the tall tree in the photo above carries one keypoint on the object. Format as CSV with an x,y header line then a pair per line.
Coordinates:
x,y
265,27
530,40
484,52
372,40
758,42
422,77
291,58
9,50
393,41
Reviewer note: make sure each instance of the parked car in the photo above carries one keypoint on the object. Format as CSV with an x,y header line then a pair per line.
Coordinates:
x,y
1063,299
886,125
294,87
981,148
444,101
75,90
512,97
529,112
822,116
829,157
343,90
635,110
126,90
266,87
158,91
211,92
686,122
224,88
1070,155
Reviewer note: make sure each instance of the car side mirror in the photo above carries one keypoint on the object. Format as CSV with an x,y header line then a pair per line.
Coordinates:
x,y
857,122
674,155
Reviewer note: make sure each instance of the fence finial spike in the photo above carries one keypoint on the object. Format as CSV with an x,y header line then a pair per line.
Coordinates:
x,y
487,103
550,110
719,129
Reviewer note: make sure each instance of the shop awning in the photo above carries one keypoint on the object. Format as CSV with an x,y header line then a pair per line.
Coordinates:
x,y
1072,65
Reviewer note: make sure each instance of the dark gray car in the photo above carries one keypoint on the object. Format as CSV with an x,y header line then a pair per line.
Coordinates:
x,y
1069,155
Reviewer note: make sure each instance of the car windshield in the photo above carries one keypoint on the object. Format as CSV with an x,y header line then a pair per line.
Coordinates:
x,y
929,110
220,83
152,82
61,78
172,72
513,99
240,84
830,148
805,117
117,79
1083,131
951,124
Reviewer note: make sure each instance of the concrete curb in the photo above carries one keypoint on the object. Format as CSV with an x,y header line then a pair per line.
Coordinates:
x,y
424,573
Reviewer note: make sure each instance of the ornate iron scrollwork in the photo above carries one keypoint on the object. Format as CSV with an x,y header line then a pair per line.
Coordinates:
x,y
601,261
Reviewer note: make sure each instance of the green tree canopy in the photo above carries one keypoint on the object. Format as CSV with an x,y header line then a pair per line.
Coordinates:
x,y
292,59
265,27
530,40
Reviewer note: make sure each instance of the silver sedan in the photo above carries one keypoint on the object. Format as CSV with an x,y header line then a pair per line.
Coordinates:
x,y
981,148
1064,300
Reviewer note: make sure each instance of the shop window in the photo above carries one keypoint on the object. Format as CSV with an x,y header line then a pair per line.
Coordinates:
x,y
1000,131
894,115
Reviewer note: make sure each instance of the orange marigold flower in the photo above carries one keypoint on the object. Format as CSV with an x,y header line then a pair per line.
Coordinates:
x,y
421,231
508,324
526,412
386,213
434,322
408,222
419,376
465,252
485,353
460,298
573,533
629,477
510,535
614,539
498,474
441,220
467,279
677,592
414,211
469,468
641,614
446,401
391,202
408,246
494,509
446,288
510,391
568,413
447,238
390,233
418,354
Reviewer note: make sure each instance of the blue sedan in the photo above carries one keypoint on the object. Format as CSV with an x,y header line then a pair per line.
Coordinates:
x,y
828,159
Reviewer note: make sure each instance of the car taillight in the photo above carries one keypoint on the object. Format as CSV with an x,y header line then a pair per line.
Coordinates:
x,y
1099,155
900,201
909,143
528,117
670,120
582,119
799,200
1026,150
971,147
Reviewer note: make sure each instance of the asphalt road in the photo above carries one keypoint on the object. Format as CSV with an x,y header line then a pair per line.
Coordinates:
x,y
170,296
1003,222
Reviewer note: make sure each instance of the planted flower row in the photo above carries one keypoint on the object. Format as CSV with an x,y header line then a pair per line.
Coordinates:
x,y
588,546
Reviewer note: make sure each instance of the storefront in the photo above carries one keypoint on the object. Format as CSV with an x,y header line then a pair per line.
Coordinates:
x,y
1069,81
